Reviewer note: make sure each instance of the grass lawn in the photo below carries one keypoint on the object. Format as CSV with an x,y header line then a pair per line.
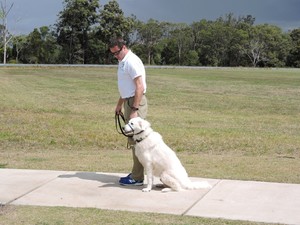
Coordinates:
x,y
223,123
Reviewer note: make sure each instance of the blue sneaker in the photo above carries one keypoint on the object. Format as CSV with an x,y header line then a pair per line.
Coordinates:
x,y
124,178
128,180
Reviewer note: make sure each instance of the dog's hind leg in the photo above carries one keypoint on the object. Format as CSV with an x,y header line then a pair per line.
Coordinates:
x,y
170,181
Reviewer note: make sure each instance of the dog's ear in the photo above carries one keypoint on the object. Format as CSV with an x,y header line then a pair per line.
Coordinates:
x,y
141,124
144,124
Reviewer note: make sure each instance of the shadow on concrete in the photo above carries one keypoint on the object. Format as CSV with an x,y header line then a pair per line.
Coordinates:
x,y
107,180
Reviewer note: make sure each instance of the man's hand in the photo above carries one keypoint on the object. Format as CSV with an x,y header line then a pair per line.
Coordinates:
x,y
133,114
118,108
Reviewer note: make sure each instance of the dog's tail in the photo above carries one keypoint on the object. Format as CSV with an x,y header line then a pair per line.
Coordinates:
x,y
190,186
198,185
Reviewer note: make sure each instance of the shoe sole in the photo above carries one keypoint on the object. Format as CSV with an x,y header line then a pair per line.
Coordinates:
x,y
136,184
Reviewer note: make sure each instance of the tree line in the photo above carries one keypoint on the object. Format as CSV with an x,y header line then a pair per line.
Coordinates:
x,y
84,28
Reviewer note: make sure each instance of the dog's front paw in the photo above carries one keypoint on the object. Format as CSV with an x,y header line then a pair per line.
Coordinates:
x,y
146,189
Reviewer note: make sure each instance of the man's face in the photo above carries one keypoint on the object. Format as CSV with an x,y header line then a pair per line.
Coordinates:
x,y
118,52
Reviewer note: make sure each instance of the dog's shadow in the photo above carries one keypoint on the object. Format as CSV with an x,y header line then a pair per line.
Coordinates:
x,y
107,180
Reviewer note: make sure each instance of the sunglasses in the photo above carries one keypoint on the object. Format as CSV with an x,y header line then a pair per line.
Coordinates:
x,y
117,52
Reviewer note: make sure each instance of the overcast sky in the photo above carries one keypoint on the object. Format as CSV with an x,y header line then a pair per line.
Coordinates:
x,y
29,14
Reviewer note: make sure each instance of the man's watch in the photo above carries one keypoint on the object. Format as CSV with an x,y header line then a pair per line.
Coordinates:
x,y
134,108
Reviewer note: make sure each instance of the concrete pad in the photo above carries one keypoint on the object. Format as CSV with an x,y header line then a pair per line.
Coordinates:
x,y
228,199
16,183
101,190
252,201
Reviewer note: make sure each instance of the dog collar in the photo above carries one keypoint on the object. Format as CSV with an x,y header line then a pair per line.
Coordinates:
x,y
141,139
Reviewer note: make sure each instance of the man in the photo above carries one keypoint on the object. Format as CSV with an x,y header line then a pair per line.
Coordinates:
x,y
132,89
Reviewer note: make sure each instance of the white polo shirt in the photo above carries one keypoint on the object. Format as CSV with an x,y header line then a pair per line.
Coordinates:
x,y
129,68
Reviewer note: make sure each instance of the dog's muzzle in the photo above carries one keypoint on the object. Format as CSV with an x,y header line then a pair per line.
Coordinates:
x,y
128,129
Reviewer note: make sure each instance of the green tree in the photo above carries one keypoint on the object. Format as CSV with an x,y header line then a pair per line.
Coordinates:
x,y
191,58
39,47
73,27
169,52
294,54
223,41
200,31
113,23
212,44
182,36
97,49
149,35
197,28
267,46
19,43
32,53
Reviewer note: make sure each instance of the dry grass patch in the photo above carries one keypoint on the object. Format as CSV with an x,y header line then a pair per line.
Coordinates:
x,y
63,118
28,215
226,124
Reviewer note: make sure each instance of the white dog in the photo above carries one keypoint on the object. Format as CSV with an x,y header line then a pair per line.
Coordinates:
x,y
158,159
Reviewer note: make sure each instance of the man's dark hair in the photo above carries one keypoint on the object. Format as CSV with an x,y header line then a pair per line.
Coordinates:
x,y
116,42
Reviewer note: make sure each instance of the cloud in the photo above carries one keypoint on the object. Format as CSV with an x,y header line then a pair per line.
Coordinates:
x,y
32,14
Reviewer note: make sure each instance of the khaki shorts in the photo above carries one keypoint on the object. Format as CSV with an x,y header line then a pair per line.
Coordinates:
x,y
142,112
143,108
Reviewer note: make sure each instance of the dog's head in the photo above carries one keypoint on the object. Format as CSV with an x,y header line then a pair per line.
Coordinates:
x,y
136,125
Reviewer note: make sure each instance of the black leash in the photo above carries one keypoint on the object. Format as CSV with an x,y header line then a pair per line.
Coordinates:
x,y
119,119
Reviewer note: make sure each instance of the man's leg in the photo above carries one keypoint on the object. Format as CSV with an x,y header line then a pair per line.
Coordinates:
x,y
137,172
